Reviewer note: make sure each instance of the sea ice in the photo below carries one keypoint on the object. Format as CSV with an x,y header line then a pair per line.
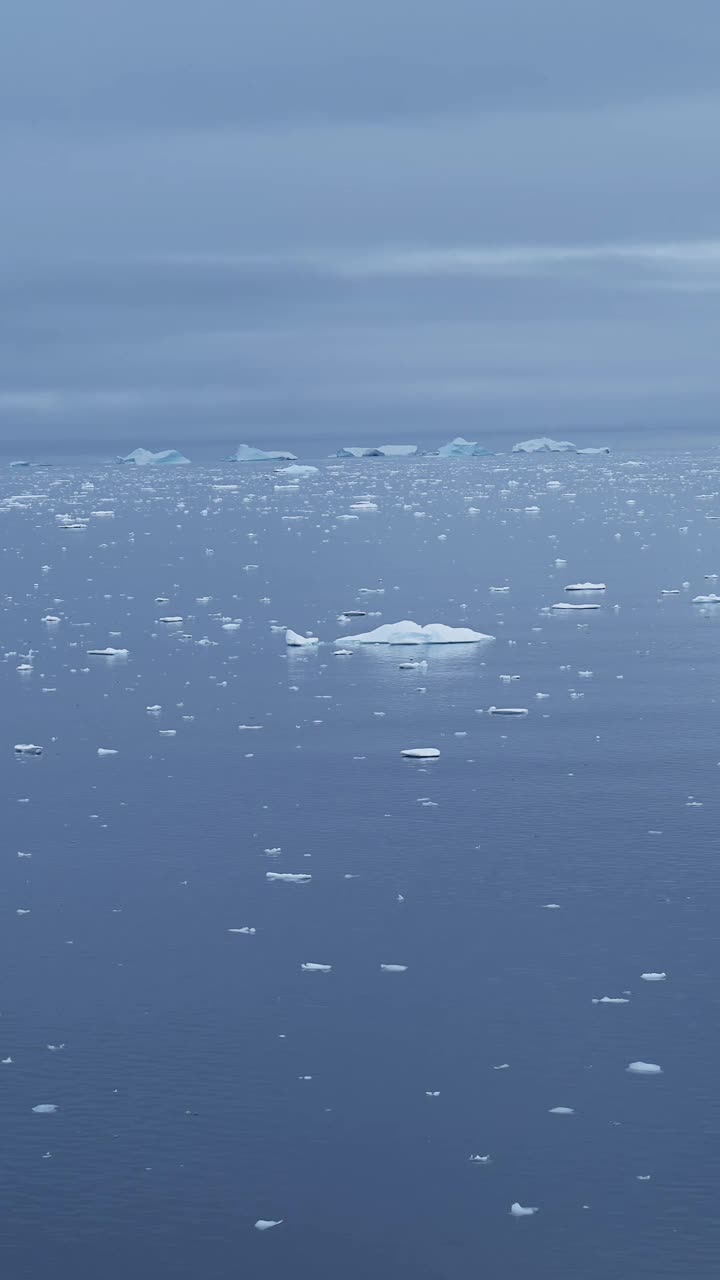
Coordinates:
x,y
264,1224
420,753
653,977
644,1068
288,876
519,1211
300,642
27,749
309,967
407,633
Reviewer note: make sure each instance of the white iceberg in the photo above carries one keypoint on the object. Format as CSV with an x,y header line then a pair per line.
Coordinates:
x,y
544,444
644,1068
611,1000
519,1211
420,753
653,977
407,632
706,599
300,642
289,877
508,711
45,1108
248,453
586,586
379,451
562,1111
393,968
27,749
108,653
264,1224
316,968
459,448
594,451
107,751
146,458
297,469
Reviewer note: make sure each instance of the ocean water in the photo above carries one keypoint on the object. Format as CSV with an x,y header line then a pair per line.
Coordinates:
x,y
204,1080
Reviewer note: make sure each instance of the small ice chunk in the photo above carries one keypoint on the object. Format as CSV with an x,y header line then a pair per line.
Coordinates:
x,y
107,751
264,1224
288,876
27,749
245,929
653,977
108,653
611,1000
309,967
45,1108
520,1211
644,1068
420,753
586,586
479,1159
574,606
508,711
562,1111
393,968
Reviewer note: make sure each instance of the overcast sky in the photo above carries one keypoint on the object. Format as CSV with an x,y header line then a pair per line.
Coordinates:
x,y
264,219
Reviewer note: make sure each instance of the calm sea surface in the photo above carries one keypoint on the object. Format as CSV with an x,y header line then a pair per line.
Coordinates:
x,y
202,1079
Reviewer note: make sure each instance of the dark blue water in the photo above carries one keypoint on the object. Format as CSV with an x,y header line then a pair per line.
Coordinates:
x,y
183,1114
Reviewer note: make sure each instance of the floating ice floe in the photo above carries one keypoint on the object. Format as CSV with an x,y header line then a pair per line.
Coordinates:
x,y
264,1224
288,877
520,1211
586,586
566,607
245,929
508,711
706,599
309,967
479,1159
420,753
108,653
393,968
611,1000
297,469
296,641
653,977
644,1068
45,1108
27,749
408,632
107,751
562,1111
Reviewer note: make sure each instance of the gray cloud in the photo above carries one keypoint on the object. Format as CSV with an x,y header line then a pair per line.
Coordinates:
x,y
290,214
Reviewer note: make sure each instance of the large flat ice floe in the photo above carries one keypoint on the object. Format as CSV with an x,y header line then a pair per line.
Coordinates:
x,y
412,633
248,453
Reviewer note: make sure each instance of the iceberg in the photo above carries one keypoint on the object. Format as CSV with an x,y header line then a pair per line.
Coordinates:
x,y
248,453
380,451
521,1211
459,448
108,653
420,753
592,452
412,633
300,642
644,1068
296,469
27,749
146,458
586,586
712,599
544,444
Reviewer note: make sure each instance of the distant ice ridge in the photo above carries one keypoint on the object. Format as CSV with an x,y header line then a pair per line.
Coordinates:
x,y
545,444
380,451
412,633
248,453
146,458
460,448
